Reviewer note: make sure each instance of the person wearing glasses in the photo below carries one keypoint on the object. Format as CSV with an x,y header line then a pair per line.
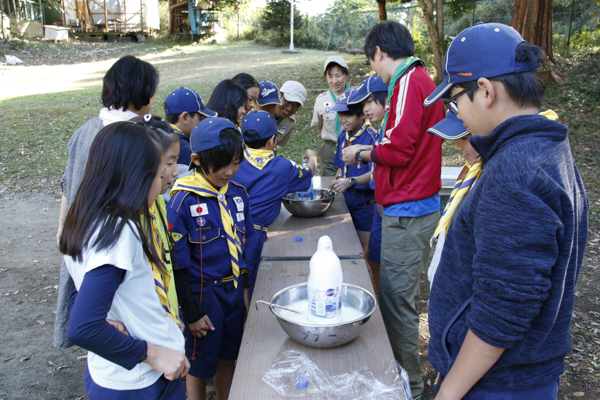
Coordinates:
x,y
292,96
408,164
502,299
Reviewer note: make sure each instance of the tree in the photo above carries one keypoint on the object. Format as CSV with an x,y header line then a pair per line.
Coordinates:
x,y
433,11
533,19
276,18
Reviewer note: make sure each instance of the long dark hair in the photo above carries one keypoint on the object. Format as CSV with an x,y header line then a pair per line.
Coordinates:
x,y
227,97
123,162
246,80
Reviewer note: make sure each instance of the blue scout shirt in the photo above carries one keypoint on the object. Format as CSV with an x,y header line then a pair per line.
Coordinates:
x,y
185,150
197,229
368,137
268,185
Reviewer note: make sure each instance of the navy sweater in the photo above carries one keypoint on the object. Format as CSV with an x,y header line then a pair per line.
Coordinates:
x,y
512,256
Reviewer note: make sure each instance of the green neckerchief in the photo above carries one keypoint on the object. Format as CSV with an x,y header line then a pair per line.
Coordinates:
x,y
338,124
400,70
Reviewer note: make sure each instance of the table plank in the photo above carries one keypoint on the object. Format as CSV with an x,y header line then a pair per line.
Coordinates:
x,y
264,340
336,223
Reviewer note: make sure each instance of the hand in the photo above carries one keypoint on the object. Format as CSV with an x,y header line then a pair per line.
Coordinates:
x,y
171,363
309,153
201,327
340,185
118,326
59,232
181,326
349,154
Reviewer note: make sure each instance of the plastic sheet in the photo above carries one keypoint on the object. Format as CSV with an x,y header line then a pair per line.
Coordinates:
x,y
290,372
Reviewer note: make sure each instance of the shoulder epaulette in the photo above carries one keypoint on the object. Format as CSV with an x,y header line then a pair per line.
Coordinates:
x,y
177,200
242,186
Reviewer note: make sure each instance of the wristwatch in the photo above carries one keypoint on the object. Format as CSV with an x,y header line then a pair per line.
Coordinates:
x,y
358,158
352,181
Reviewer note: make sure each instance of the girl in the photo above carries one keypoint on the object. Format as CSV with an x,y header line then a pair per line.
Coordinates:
x,y
228,100
108,253
327,121
252,88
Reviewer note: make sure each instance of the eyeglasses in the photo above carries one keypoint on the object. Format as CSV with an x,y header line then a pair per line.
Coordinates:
x,y
294,106
451,102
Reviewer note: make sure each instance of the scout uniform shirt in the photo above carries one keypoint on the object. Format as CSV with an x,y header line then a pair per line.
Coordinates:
x,y
268,178
366,135
324,118
197,229
285,126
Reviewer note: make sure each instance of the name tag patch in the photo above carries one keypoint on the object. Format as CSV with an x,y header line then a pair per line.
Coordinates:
x,y
199,209
240,217
239,203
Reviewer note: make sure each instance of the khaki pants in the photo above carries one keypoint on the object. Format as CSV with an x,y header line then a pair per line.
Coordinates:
x,y
404,252
326,155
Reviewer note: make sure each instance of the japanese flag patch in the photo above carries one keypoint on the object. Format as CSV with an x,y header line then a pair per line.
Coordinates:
x,y
199,209
327,107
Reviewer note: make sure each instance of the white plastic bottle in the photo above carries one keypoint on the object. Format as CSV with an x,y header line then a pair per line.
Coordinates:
x,y
325,284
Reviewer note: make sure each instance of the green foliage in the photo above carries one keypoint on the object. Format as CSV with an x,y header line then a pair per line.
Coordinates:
x,y
276,20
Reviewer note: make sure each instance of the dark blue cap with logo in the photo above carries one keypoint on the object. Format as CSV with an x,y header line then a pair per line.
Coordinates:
x,y
260,121
450,128
341,104
205,135
268,94
481,51
184,99
370,85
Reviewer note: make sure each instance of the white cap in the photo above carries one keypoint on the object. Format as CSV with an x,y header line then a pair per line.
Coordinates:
x,y
294,92
335,59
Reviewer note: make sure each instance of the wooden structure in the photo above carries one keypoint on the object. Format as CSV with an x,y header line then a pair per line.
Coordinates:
x,y
195,17
284,263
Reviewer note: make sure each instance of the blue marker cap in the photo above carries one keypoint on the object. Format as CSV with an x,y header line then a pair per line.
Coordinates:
x,y
298,238
301,382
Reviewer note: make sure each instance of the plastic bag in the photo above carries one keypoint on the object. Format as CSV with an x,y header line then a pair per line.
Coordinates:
x,y
296,375
12,60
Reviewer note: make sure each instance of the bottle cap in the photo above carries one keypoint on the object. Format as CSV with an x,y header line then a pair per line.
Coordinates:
x,y
298,238
301,382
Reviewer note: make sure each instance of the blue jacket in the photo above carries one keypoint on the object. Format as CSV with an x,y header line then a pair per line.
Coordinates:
x,y
512,256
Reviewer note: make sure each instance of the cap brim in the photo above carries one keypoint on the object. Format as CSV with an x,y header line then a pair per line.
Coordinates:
x,y
293,99
208,113
440,92
340,107
278,102
449,130
359,98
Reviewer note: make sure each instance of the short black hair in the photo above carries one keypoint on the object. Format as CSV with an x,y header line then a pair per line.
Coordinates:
x,y
353,109
227,97
255,144
524,88
246,80
130,81
174,118
160,127
214,159
332,65
392,38
379,97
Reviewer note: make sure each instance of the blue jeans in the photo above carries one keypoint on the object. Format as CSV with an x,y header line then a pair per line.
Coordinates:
x,y
162,389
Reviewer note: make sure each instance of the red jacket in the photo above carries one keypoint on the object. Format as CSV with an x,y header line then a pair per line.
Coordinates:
x,y
409,160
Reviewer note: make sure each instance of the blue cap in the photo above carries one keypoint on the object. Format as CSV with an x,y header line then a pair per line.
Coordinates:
x,y
298,238
269,94
301,382
370,85
205,135
341,104
184,99
260,121
481,51
450,128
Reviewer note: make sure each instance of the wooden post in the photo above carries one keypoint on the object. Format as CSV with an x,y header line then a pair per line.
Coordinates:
x,y
90,17
105,17
142,15
64,15
41,13
125,14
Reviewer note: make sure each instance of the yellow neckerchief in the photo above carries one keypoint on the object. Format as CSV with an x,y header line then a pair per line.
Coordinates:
x,y
466,179
259,158
198,184
551,115
176,129
349,140
161,279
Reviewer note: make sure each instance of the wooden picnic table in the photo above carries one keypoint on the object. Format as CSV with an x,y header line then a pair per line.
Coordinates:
x,y
336,223
264,340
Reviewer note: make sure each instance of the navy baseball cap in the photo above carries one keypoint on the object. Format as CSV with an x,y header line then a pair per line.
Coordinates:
x,y
481,51
450,128
370,85
261,122
269,94
342,102
184,99
205,135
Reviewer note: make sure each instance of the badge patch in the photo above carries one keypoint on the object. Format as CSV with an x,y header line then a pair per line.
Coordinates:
x,y
282,129
327,107
239,203
199,209
359,166
202,222
176,236
169,226
240,217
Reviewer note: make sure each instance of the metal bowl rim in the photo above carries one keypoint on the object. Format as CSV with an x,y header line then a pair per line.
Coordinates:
x,y
367,315
328,198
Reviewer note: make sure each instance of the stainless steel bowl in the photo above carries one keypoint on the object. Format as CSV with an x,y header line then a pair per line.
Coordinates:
x,y
325,336
322,200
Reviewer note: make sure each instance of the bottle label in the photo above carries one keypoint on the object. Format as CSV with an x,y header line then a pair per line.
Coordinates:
x,y
326,303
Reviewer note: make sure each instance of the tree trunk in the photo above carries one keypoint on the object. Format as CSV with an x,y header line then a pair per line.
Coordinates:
x,y
533,19
435,27
382,10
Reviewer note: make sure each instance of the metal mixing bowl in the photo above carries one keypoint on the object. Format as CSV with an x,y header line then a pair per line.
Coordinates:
x,y
325,336
323,199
